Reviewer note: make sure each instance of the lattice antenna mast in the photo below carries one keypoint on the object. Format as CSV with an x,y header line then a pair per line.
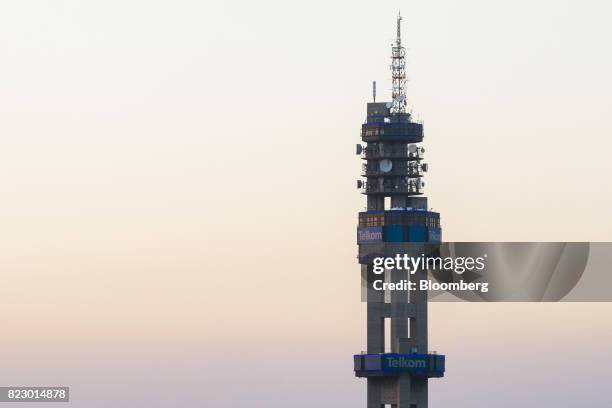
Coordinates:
x,y
398,72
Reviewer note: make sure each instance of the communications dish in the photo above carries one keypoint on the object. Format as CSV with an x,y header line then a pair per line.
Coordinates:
x,y
385,165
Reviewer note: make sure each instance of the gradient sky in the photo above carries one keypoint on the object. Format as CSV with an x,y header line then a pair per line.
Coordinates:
x,y
179,204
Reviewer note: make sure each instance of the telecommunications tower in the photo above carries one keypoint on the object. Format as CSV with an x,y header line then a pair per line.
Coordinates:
x,y
397,363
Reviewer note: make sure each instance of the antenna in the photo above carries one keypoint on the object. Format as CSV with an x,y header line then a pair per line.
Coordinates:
x,y
398,40
398,72
374,90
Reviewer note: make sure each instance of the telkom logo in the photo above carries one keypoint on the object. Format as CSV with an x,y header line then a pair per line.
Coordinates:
x,y
404,362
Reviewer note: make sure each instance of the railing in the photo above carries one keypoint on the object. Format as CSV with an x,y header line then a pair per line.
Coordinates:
x,y
412,169
409,187
386,152
364,352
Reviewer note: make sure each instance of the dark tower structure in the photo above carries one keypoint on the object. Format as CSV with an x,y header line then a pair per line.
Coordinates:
x,y
397,363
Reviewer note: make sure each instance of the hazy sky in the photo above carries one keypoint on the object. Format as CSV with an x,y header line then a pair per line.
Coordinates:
x,y
179,205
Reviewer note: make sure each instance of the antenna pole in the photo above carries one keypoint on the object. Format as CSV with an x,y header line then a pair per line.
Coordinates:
x,y
398,72
374,90
398,40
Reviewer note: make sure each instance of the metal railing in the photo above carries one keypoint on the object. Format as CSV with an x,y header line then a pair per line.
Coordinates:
x,y
410,187
410,169
376,152
364,352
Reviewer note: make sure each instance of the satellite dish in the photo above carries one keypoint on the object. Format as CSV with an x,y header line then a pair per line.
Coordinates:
x,y
412,148
358,149
388,105
385,165
422,150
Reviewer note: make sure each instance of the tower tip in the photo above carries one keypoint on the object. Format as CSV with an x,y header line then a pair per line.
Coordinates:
x,y
398,40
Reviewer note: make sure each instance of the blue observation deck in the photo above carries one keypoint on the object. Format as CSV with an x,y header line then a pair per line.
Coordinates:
x,y
392,364
399,226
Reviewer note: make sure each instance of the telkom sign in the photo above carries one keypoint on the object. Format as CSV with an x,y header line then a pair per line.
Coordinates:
x,y
366,235
405,363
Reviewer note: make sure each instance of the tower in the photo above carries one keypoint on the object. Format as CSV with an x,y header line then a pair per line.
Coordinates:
x,y
397,222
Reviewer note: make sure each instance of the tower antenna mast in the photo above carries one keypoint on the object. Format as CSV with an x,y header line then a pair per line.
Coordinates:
x,y
398,72
374,90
